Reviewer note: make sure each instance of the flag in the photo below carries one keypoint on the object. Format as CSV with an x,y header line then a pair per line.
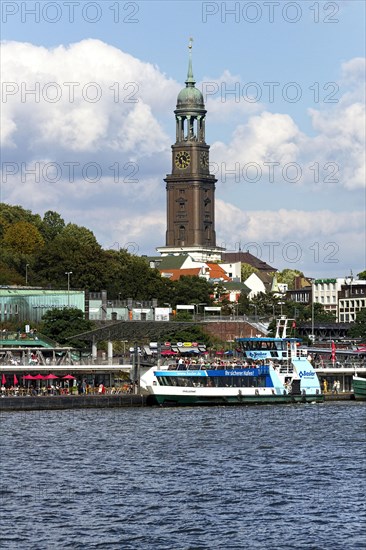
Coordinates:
x,y
15,380
333,352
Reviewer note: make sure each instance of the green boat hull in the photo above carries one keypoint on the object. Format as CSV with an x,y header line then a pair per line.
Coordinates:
x,y
194,400
359,388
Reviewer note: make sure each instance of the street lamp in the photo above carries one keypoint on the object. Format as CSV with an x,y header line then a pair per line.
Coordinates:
x,y
68,273
169,306
140,308
197,306
312,313
26,273
255,311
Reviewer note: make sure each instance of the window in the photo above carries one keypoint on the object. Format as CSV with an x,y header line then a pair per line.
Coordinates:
x,y
182,233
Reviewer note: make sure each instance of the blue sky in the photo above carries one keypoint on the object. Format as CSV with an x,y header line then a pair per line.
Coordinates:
x,y
311,132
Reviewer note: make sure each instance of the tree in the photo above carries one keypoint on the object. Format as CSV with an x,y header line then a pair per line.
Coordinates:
x,y
62,324
23,239
362,275
192,334
243,304
191,290
247,270
52,225
288,276
74,249
9,215
358,328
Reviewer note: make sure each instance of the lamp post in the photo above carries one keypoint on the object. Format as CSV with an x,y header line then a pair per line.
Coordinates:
x,y
26,273
68,273
197,306
255,311
169,305
312,315
140,308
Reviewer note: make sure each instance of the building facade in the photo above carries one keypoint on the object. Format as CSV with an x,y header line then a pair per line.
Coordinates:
x,y
351,300
30,304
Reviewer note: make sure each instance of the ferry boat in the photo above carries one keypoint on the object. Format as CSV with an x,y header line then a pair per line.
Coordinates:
x,y
359,387
260,378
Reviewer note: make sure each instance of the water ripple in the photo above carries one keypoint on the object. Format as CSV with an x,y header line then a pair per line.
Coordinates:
x,y
288,477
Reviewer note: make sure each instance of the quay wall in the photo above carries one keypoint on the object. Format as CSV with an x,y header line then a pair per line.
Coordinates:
x,y
55,402
44,403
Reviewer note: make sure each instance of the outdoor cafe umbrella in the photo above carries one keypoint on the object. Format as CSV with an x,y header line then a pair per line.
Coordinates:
x,y
29,377
15,380
39,377
51,377
3,379
168,352
68,377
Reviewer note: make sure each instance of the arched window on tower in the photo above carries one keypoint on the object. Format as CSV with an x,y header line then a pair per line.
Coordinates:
x,y
208,233
182,234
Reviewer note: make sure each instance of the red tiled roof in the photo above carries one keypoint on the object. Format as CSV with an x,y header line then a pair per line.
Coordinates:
x,y
176,274
216,272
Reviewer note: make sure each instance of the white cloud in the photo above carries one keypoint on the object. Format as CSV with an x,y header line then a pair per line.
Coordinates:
x,y
126,90
317,241
226,99
266,137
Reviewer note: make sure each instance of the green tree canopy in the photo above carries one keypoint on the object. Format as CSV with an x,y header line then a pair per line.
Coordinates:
x,y
191,290
358,329
362,275
288,276
23,239
52,225
9,215
62,324
247,270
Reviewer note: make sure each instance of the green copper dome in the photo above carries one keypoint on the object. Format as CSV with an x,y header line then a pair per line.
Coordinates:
x,y
190,97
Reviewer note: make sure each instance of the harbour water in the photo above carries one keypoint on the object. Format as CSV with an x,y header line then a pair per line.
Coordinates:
x,y
267,477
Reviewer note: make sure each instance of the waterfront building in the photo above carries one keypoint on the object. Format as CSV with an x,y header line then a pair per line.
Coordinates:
x,y
19,304
351,300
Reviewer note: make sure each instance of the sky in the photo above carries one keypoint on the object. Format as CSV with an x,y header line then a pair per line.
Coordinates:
x,y
87,121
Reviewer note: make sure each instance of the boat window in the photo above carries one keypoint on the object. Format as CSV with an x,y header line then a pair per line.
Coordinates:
x,y
213,381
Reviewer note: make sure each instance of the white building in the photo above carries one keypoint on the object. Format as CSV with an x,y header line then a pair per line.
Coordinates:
x,y
325,292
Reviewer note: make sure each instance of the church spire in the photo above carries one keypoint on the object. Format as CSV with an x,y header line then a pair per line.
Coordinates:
x,y
190,82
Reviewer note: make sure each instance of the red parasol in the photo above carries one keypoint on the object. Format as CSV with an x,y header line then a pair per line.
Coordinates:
x,y
29,377
15,380
68,377
39,377
168,352
3,379
51,377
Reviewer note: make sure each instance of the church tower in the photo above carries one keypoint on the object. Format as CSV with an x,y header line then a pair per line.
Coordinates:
x,y
190,186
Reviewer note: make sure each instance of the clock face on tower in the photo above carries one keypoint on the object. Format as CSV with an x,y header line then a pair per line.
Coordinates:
x,y
204,159
182,159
